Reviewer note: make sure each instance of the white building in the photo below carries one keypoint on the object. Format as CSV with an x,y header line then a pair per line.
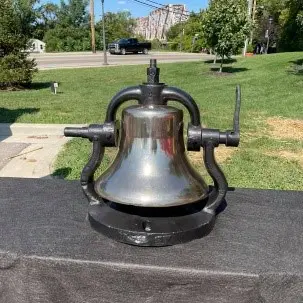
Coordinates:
x,y
36,46
156,25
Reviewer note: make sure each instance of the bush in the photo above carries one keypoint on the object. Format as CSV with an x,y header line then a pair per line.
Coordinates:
x,y
69,39
16,70
156,44
250,48
174,46
16,18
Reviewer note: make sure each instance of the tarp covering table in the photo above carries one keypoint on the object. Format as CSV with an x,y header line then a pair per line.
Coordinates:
x,y
49,253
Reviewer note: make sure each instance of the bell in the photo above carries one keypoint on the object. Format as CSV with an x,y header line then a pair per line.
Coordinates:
x,y
151,168
151,195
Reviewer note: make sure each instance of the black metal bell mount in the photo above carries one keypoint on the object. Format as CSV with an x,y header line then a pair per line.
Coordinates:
x,y
151,195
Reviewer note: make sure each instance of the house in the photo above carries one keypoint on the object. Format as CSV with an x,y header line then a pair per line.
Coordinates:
x,y
36,46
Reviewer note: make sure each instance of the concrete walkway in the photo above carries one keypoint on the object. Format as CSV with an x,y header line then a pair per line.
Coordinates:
x,y
29,150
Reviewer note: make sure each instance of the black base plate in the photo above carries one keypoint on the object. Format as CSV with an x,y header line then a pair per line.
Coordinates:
x,y
148,226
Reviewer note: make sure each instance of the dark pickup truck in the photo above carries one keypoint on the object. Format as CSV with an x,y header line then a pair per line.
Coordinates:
x,y
123,46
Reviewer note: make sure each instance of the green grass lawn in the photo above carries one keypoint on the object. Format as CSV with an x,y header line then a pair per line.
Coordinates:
x,y
269,156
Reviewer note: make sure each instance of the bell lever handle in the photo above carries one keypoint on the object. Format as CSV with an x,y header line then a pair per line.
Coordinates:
x,y
237,110
232,137
130,93
176,94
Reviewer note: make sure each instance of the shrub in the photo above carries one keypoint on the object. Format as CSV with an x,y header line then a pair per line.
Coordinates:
x,y
16,18
16,70
250,48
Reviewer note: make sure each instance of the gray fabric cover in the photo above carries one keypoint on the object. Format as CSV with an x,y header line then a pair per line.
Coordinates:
x,y
49,253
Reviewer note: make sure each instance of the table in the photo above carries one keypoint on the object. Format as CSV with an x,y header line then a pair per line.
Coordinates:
x,y
49,253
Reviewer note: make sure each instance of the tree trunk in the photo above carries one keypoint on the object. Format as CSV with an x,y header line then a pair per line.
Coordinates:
x,y
215,59
221,65
92,25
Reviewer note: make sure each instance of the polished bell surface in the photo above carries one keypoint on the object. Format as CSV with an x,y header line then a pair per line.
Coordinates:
x,y
151,168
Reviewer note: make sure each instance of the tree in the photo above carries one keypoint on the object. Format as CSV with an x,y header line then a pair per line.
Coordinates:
x,y
92,24
73,13
225,26
117,25
292,28
16,18
46,18
187,33
72,30
286,30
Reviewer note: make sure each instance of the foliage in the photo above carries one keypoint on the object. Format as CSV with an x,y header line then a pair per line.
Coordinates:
x,y
174,31
67,26
16,70
225,26
68,39
292,30
181,35
286,32
140,37
250,48
16,17
72,31
73,14
156,44
47,15
117,25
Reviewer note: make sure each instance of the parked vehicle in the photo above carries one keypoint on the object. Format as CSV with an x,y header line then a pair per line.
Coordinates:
x,y
123,46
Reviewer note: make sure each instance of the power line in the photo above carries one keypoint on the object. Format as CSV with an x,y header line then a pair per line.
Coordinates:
x,y
162,8
146,4
156,2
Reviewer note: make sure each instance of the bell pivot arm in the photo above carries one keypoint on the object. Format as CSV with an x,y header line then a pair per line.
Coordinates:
x,y
104,135
198,136
209,139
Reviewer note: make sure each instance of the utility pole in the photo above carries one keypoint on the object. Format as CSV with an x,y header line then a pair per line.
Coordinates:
x,y
103,31
250,3
181,39
268,32
182,30
92,25
253,19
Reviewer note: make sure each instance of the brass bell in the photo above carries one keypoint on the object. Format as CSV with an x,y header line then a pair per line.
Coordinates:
x,y
151,168
151,195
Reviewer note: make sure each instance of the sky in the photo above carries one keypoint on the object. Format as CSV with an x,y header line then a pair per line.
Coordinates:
x,y
140,10
137,9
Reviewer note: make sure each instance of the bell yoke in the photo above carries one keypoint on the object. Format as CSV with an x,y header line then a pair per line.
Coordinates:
x,y
151,195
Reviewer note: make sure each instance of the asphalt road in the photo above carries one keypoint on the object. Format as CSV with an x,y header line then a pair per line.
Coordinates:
x,y
74,60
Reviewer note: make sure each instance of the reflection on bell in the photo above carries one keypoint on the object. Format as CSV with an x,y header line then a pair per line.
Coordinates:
x,y
151,168
151,195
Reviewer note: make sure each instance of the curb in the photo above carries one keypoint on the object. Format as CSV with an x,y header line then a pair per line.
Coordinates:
x,y
11,129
